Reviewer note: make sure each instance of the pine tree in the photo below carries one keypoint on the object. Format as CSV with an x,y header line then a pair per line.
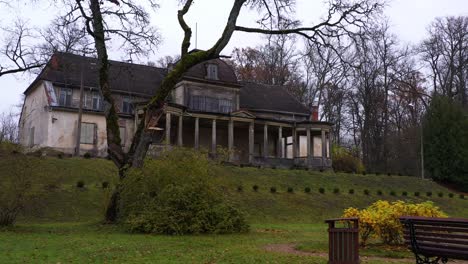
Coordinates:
x,y
446,142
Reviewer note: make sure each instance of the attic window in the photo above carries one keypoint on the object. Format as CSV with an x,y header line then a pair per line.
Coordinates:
x,y
212,71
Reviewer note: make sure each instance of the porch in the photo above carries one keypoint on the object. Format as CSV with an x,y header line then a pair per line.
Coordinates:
x,y
248,140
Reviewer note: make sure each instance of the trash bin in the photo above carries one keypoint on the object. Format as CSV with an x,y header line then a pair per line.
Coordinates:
x,y
343,240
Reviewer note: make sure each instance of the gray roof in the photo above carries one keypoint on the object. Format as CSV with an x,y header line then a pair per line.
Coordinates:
x,y
256,96
65,69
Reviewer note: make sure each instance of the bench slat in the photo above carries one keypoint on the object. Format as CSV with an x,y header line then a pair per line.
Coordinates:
x,y
441,228
438,239
438,234
442,247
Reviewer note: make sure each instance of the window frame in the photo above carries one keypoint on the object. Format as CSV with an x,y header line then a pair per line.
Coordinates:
x,y
127,100
68,96
212,71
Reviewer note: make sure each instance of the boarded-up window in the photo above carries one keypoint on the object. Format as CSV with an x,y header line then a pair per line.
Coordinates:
x,y
65,97
123,135
88,133
212,71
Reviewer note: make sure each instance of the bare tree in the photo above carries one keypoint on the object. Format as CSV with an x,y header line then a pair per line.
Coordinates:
x,y
445,52
8,127
17,54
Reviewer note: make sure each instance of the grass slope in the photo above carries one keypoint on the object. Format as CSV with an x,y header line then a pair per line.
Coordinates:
x,y
66,202
63,227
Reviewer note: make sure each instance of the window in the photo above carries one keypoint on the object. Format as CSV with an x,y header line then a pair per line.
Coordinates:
x,y
212,71
225,106
96,101
122,135
88,133
65,97
93,100
210,104
127,106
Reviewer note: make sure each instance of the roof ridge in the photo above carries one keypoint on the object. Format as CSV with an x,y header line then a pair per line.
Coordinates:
x,y
114,61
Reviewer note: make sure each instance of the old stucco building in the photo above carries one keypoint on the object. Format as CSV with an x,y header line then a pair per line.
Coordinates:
x,y
209,108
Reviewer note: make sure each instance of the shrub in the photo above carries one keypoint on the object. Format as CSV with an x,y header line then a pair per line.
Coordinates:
x,y
428,194
240,188
440,194
255,188
290,190
336,191
344,161
381,219
80,184
351,191
462,196
404,193
389,174
450,195
273,189
364,172
416,194
366,192
105,185
392,193
321,190
379,192
184,200
87,155
307,190
377,173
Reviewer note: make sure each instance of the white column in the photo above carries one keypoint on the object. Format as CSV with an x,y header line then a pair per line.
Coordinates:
x,y
294,143
324,147
213,137
251,142
180,131
196,141
279,146
168,128
231,140
265,141
309,145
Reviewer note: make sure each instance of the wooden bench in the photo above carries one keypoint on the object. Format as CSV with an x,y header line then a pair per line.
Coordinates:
x,y
435,240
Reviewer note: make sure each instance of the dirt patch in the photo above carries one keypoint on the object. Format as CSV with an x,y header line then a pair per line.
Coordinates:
x,y
291,249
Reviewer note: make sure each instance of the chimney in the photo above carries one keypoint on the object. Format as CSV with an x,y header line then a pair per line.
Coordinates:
x,y
315,113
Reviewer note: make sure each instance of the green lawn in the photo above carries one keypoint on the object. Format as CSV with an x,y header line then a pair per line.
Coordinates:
x,y
93,243
63,226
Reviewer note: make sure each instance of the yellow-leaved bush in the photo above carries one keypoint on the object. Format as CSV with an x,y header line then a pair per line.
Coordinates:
x,y
381,219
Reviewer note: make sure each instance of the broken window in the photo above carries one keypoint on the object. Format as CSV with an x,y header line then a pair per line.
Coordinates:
x,y
212,71
65,97
127,106
88,133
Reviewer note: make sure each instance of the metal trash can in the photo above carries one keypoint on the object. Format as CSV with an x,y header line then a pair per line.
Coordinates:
x,y
343,240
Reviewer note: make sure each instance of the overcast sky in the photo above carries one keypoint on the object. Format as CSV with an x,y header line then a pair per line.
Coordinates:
x,y
408,18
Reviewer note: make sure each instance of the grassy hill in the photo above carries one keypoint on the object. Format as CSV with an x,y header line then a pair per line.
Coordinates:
x,y
63,201
62,226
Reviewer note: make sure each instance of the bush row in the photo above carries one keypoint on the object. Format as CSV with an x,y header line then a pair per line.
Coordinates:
x,y
322,190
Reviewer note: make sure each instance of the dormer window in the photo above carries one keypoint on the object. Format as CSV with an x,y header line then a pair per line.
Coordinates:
x,y
212,71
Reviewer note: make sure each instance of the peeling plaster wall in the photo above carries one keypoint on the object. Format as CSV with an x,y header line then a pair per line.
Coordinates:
x,y
35,115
